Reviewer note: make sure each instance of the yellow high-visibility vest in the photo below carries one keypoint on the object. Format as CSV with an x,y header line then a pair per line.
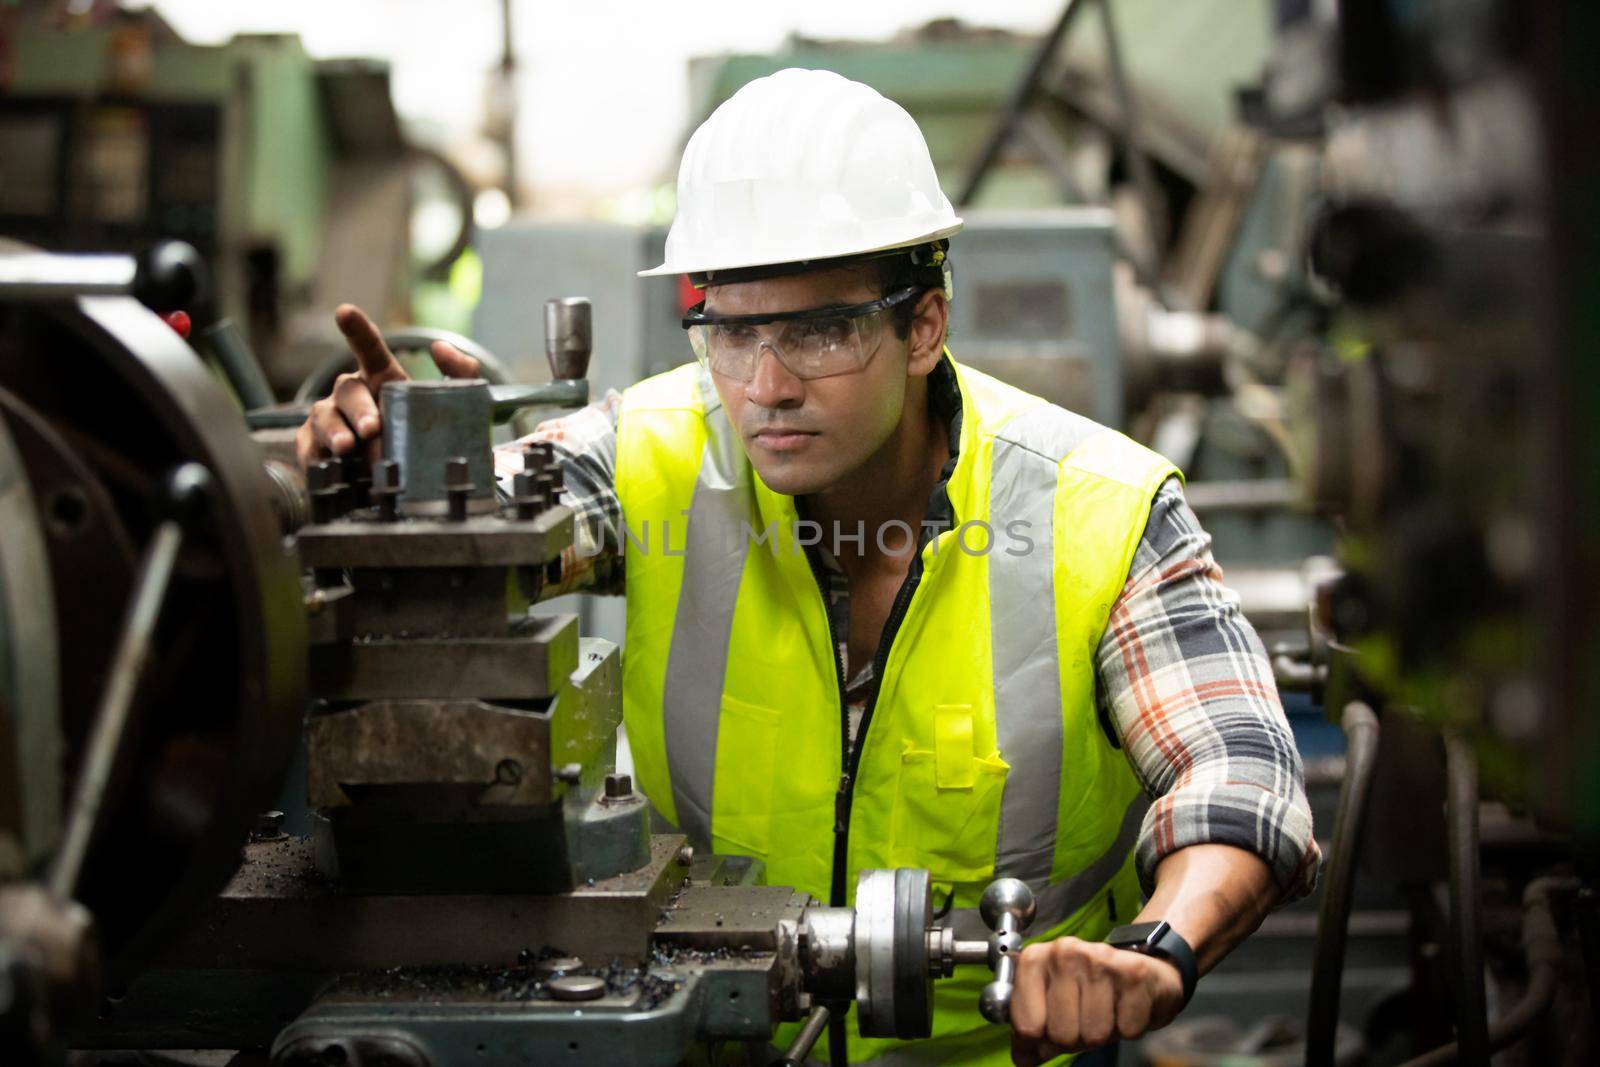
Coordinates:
x,y
983,754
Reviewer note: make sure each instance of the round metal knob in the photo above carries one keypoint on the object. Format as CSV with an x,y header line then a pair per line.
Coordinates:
x,y
1007,896
994,1003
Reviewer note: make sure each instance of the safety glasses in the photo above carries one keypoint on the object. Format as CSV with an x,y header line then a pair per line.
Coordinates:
x,y
815,343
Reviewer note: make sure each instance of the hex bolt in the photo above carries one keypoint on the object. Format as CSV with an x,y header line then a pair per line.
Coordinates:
x,y
619,786
458,485
325,487
357,478
269,825
570,773
685,856
525,495
546,489
386,488
537,456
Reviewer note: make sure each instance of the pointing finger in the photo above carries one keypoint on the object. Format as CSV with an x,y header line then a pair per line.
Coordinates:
x,y
377,362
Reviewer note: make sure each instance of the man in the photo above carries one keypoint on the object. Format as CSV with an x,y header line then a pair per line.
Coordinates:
x,y
886,611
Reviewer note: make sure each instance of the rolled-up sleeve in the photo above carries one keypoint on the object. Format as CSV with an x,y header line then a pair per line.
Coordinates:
x,y
585,445
1187,688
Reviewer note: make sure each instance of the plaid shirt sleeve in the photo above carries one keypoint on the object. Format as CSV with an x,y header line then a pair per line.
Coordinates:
x,y
1188,689
586,447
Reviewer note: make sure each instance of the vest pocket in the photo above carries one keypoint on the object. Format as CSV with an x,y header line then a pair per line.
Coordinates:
x,y
947,802
747,743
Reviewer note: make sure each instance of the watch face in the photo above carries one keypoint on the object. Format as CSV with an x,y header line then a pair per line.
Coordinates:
x,y
1133,934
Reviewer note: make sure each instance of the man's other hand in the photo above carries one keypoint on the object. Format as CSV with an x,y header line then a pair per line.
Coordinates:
x,y
350,414
1074,995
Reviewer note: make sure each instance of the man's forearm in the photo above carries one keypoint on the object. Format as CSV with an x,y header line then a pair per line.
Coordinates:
x,y
1214,896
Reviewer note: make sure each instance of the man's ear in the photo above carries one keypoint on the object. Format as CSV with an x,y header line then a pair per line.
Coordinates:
x,y
925,341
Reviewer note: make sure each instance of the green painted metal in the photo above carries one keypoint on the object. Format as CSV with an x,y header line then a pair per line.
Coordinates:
x,y
1184,60
276,153
951,89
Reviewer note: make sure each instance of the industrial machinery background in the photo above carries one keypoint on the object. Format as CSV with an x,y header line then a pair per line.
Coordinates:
x,y
1439,385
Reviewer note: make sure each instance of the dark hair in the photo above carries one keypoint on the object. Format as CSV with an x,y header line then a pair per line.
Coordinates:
x,y
917,268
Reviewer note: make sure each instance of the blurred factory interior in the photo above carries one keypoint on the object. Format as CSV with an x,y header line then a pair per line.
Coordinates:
x,y
1329,257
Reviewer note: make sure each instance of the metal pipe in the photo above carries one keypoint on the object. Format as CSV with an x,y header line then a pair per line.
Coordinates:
x,y
165,277
111,720
506,400
1466,920
1128,130
1296,676
1020,98
48,275
1541,945
838,1042
1264,494
800,1047
240,365
1361,733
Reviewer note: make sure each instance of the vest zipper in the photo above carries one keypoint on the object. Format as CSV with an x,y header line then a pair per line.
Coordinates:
x,y
841,810
845,798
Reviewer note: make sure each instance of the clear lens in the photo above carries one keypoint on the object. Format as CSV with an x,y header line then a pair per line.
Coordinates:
x,y
809,348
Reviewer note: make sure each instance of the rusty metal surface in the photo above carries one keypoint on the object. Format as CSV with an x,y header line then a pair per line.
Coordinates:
x,y
430,602
489,668
279,913
713,917
478,541
503,751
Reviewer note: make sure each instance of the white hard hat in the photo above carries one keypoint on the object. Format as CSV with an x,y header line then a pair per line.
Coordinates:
x,y
803,165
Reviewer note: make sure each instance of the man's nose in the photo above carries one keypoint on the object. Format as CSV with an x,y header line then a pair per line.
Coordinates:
x,y
773,385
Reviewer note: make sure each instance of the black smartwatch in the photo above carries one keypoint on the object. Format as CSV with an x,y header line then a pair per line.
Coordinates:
x,y
1163,942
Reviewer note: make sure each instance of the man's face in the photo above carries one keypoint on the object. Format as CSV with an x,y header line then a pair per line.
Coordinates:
x,y
804,436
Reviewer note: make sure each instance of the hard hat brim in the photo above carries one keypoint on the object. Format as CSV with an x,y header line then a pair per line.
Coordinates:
x,y
822,256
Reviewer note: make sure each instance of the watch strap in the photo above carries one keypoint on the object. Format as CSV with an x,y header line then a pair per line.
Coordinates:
x,y
1159,939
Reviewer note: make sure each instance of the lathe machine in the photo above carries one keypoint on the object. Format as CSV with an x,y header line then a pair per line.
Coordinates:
x,y
179,615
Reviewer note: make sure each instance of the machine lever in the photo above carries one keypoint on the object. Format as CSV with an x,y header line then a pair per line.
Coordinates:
x,y
1007,908
507,400
800,1047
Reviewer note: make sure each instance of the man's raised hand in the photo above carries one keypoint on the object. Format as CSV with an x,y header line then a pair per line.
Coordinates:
x,y
350,414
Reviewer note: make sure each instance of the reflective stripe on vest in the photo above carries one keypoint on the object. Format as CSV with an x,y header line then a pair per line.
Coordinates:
x,y
984,755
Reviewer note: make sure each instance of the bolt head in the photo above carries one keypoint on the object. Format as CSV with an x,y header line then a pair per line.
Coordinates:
x,y
619,785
